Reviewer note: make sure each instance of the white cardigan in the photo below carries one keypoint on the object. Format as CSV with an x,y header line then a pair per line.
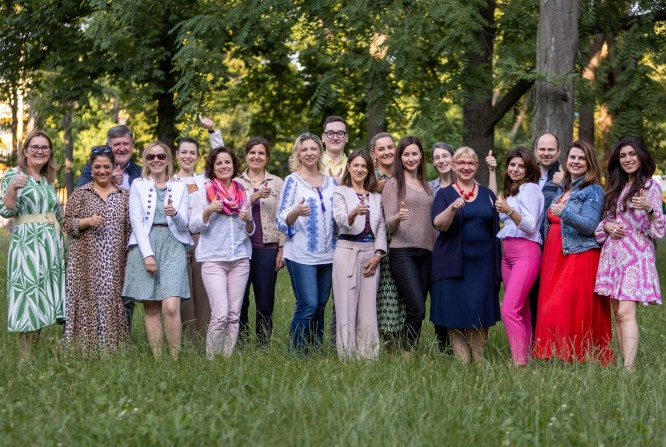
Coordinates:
x,y
143,194
344,200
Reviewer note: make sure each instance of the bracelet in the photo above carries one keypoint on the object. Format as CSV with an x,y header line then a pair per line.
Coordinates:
x,y
509,213
378,253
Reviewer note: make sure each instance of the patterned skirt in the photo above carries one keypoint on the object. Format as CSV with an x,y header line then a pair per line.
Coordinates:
x,y
390,307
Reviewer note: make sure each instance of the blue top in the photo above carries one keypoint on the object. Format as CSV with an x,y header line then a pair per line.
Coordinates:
x,y
580,217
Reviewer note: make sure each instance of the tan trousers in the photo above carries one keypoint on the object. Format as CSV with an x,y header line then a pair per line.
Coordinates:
x,y
355,299
195,312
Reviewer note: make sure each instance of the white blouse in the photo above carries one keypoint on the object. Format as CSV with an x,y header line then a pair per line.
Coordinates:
x,y
529,204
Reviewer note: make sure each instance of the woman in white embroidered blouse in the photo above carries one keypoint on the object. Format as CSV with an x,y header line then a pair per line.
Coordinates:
x,y
305,215
522,213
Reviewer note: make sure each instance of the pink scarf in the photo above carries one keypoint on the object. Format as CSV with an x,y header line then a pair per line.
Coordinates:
x,y
233,199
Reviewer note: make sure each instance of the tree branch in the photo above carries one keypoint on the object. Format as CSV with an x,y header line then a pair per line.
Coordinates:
x,y
506,102
625,22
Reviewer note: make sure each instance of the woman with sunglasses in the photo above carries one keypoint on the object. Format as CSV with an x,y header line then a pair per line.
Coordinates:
x,y
305,216
97,219
390,307
225,222
407,201
156,272
465,294
35,261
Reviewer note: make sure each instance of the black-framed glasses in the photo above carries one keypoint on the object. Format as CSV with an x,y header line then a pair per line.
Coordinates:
x,y
340,134
99,150
35,148
161,157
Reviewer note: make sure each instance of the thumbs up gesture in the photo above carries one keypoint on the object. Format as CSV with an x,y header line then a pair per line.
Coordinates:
x,y
20,180
491,161
558,176
118,176
96,219
302,209
640,202
245,214
403,212
501,206
206,123
169,209
362,207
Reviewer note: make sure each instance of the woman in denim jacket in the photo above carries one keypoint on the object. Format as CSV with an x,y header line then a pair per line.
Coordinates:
x,y
573,322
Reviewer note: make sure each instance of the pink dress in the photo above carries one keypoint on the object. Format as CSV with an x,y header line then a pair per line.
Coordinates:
x,y
627,268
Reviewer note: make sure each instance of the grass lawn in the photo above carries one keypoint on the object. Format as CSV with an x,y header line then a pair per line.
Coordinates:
x,y
267,397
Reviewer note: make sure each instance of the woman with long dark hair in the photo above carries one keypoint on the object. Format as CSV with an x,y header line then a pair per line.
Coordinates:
x,y
521,211
632,221
407,201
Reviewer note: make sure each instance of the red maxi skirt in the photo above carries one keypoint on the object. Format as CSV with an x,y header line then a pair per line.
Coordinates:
x,y
573,322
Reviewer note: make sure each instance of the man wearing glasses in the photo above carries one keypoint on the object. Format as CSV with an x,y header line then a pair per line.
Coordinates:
x,y
335,138
121,141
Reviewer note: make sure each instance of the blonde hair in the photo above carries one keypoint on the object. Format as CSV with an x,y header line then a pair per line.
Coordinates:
x,y
50,169
465,150
294,159
145,173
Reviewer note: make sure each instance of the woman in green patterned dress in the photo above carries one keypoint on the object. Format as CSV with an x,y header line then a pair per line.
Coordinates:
x,y
36,263
390,308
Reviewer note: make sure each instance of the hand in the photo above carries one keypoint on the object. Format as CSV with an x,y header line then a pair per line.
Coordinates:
x,y
558,176
491,161
302,209
95,220
279,263
336,176
458,204
501,206
169,210
20,181
362,208
206,123
118,176
403,212
370,267
614,230
151,266
557,208
215,206
640,202
264,190
380,185
245,214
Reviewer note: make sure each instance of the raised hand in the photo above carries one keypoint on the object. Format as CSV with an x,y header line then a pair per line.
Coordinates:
x,y
501,206
558,177
169,209
215,206
491,161
640,202
458,204
362,208
403,212
302,209
118,176
245,214
20,181
206,123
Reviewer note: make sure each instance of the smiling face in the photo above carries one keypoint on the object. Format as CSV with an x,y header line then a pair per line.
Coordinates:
x,y
309,154
102,170
358,169
384,152
442,160
411,158
122,148
576,163
223,167
257,157
156,160
38,152
465,167
335,136
516,169
629,161
187,156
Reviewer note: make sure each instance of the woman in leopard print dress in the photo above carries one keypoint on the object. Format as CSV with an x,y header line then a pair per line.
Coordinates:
x,y
97,218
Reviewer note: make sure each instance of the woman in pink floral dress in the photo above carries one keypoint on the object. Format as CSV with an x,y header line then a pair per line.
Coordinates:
x,y
632,221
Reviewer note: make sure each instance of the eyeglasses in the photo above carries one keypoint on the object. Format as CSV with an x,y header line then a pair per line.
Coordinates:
x,y
151,157
34,148
340,134
469,164
98,150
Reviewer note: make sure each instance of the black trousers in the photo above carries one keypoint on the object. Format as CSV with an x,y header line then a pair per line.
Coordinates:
x,y
262,279
410,268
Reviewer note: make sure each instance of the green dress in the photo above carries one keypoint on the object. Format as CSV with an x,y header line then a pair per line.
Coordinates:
x,y
390,308
36,259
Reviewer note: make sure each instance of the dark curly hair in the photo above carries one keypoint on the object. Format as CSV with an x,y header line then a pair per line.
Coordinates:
x,y
210,162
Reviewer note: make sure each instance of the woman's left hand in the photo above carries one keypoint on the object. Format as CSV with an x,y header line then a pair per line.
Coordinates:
x,y
640,202
279,263
370,268
491,161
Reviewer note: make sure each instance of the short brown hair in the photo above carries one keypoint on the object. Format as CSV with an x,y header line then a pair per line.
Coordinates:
x,y
210,162
370,182
50,169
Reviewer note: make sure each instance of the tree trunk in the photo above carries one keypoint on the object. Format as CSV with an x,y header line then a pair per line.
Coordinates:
x,y
557,46
377,100
166,107
13,104
587,101
69,150
478,92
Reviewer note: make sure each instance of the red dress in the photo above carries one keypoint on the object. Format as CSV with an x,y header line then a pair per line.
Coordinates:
x,y
573,322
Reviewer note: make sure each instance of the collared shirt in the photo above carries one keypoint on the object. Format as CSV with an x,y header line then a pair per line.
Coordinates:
x,y
529,204
333,167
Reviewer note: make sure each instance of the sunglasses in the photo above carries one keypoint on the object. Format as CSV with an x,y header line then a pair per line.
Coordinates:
x,y
98,150
151,157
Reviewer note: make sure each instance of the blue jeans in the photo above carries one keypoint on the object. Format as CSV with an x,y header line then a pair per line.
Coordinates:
x,y
312,287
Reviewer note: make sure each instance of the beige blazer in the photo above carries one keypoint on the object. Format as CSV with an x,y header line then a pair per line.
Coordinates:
x,y
345,200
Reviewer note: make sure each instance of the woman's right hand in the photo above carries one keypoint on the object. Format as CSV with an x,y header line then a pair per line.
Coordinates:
x,y
403,212
302,209
95,220
215,206
614,230
20,181
457,204
151,266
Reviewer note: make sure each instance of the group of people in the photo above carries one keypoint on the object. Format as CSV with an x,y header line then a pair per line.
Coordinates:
x,y
368,227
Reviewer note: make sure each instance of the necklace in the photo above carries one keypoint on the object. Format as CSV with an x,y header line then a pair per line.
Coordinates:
x,y
466,195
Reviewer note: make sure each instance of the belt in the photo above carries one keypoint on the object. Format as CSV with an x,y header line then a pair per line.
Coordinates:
x,y
356,248
49,218
160,225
